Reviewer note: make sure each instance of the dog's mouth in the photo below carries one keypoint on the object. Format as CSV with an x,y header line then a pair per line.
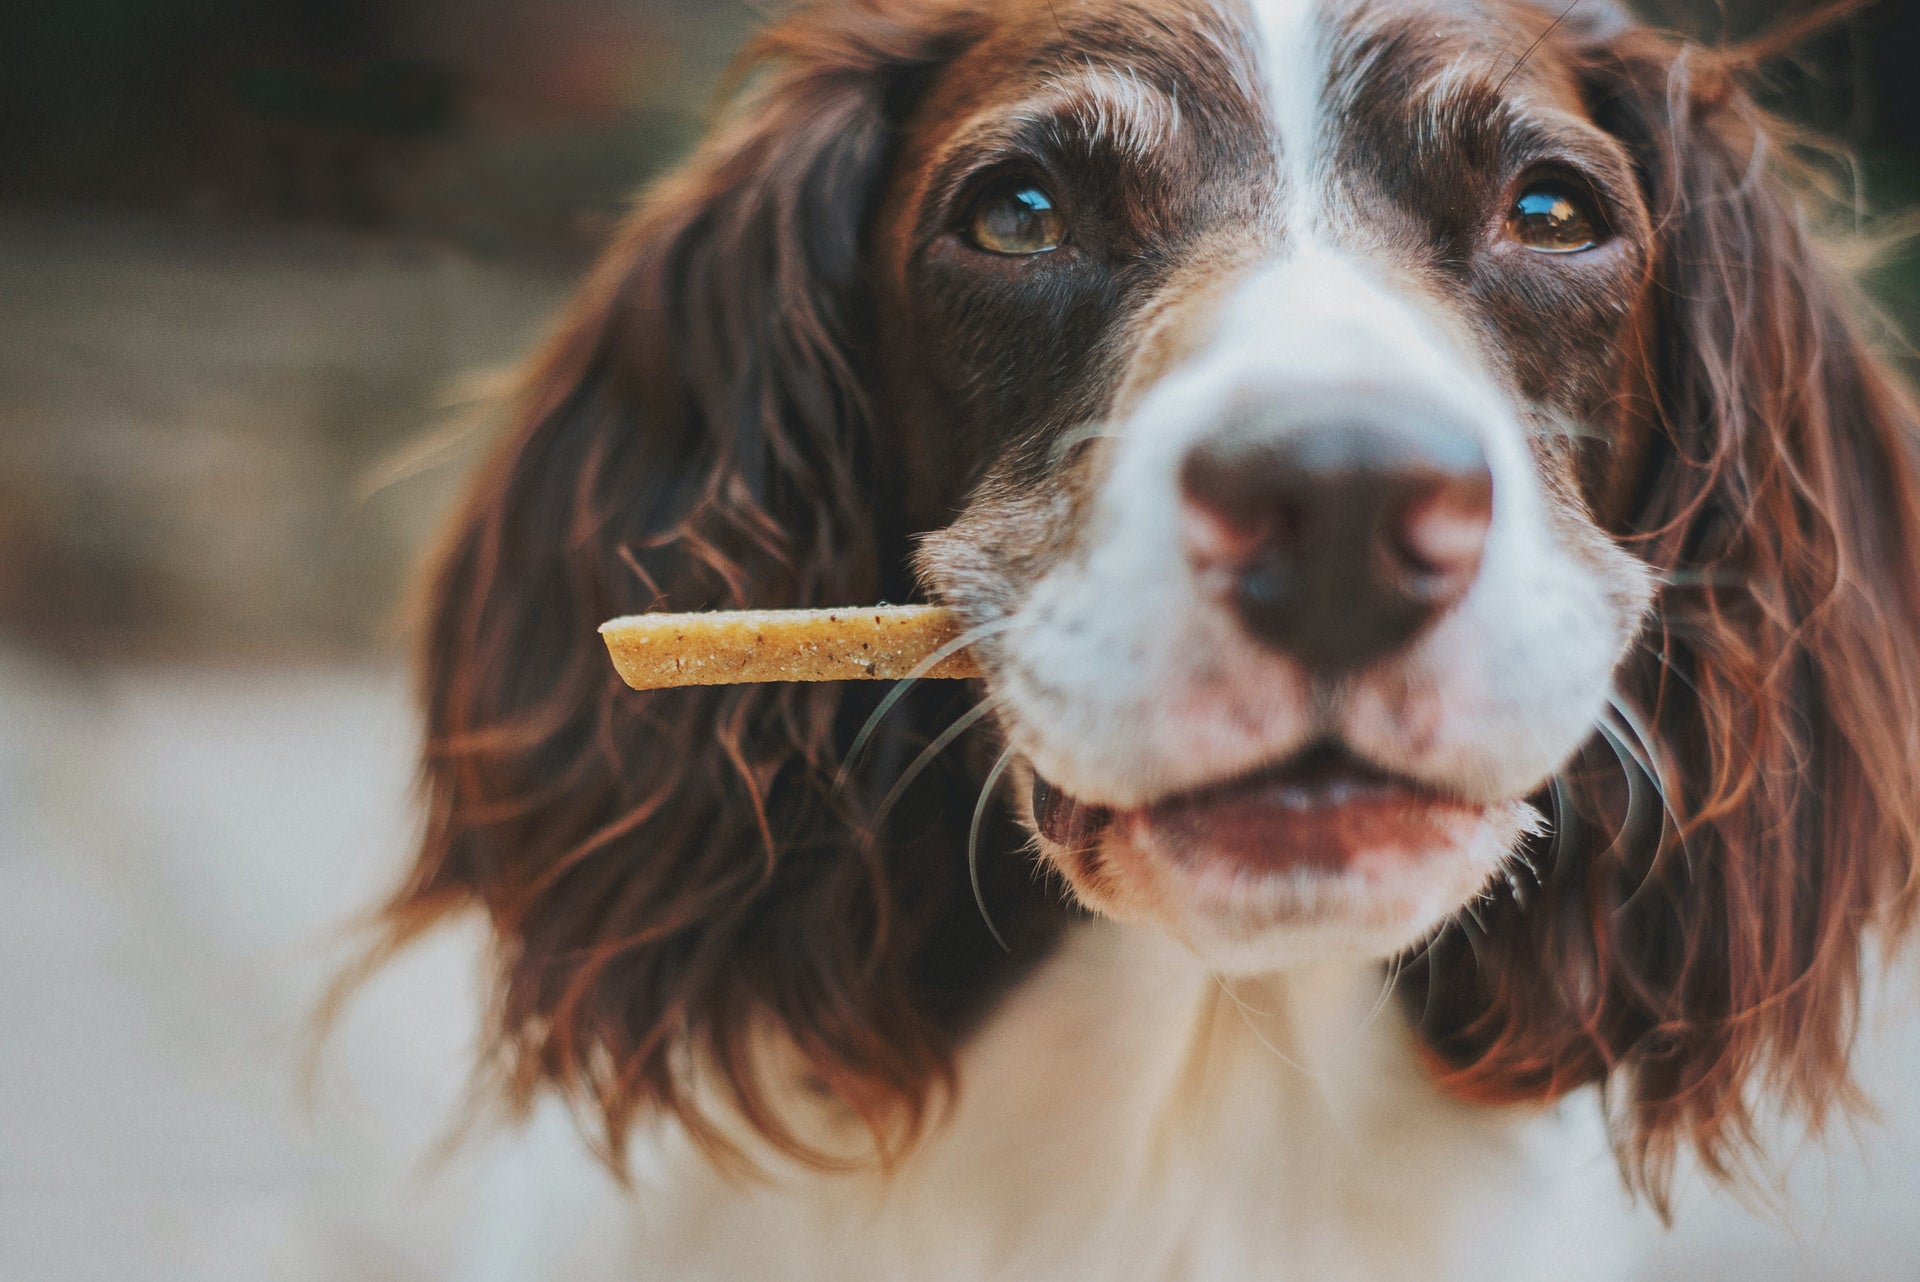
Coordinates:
x,y
1322,807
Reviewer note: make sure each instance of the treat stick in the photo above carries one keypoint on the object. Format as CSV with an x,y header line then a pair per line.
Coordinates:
x,y
732,647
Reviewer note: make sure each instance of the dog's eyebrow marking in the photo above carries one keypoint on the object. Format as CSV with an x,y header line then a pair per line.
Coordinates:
x,y
1115,106
1460,102
1453,102
1104,105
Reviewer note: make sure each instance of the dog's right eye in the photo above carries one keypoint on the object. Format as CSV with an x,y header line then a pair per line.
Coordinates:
x,y
1551,218
1017,220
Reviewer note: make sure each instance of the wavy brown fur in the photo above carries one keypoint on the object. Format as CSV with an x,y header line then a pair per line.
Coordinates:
x,y
667,872
1691,951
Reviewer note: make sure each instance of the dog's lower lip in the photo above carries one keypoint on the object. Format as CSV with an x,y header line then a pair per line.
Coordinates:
x,y
1322,809
1321,777
1321,806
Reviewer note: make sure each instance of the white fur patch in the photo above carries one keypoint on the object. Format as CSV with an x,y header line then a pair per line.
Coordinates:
x,y
1293,66
1125,112
1111,107
1129,1117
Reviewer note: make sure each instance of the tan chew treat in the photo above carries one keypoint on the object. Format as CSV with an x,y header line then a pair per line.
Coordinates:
x,y
733,647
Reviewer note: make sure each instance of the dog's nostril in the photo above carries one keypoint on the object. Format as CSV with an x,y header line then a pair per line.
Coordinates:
x,y
1441,533
1217,538
1229,518
1445,529
1338,542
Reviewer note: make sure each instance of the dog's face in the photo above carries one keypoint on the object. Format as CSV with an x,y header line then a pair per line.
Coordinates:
x,y
1287,343
1357,431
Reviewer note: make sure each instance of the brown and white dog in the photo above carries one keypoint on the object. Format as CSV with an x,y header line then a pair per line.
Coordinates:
x,y
1447,570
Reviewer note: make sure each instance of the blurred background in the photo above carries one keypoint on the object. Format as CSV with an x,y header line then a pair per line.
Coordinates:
x,y
265,266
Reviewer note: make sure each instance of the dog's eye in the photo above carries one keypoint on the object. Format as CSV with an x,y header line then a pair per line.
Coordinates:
x,y
1551,218
1017,219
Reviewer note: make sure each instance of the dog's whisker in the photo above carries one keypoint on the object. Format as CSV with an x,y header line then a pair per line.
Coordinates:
x,y
963,723
1246,1017
1646,757
1633,771
987,789
1623,753
1395,966
1700,578
1535,47
901,687
1660,654
1558,821
1645,762
1572,430
1078,435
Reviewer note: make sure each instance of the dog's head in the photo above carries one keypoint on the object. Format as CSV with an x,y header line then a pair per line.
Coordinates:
x,y
1415,489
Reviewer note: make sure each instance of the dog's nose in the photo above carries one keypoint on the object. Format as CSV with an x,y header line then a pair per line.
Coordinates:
x,y
1338,542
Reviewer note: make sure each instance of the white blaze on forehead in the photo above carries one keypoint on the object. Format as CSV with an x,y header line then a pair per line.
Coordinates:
x,y
1291,38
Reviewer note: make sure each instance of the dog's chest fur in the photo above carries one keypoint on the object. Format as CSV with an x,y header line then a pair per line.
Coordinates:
x,y
1124,1116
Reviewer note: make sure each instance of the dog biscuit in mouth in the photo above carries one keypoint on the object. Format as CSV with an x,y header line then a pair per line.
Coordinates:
x,y
737,647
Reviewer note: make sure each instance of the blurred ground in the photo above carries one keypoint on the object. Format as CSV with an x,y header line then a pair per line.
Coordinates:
x,y
178,847
181,845
218,437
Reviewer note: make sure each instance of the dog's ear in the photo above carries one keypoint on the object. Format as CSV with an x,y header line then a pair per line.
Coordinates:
x,y
1749,812
673,881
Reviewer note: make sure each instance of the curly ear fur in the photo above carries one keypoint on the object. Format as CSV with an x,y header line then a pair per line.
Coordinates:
x,y
673,876
1694,928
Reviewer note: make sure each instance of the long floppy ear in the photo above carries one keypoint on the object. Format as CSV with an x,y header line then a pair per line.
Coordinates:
x,y
1693,935
672,877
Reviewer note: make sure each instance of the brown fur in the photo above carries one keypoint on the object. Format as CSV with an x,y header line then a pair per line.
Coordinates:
x,y
1688,957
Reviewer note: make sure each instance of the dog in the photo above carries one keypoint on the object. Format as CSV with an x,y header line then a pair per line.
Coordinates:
x,y
1443,555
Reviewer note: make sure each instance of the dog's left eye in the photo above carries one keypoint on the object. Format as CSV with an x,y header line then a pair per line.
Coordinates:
x,y
1018,219
1551,218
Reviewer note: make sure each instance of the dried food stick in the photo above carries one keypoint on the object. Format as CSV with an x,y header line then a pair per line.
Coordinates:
x,y
732,647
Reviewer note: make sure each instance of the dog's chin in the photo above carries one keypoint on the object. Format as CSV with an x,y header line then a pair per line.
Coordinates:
x,y
1319,858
